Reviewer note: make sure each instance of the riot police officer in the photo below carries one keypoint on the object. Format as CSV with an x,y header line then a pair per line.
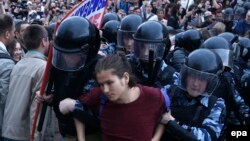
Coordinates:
x,y
239,14
128,27
125,41
109,37
194,111
237,110
228,19
186,42
232,40
75,50
242,68
246,5
151,44
108,17
230,37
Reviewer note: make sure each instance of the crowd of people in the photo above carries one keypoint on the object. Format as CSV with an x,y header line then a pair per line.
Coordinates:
x,y
156,70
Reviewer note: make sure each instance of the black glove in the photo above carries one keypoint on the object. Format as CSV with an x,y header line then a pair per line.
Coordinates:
x,y
178,132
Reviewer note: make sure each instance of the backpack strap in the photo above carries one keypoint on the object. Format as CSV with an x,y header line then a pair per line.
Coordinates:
x,y
151,15
166,99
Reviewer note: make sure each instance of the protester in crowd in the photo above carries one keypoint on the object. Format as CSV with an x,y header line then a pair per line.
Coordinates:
x,y
2,10
218,28
15,50
20,27
137,11
174,19
168,9
188,20
6,63
207,5
243,26
216,4
122,95
160,15
148,15
153,3
124,5
207,19
25,81
182,12
218,16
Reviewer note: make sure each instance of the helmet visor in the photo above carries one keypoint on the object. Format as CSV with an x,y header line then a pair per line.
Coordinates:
x,y
141,50
197,81
68,61
226,56
125,40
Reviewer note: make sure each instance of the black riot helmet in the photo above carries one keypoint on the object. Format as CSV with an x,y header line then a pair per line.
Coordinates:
x,y
171,30
240,12
222,47
244,45
179,39
108,17
230,37
151,36
109,31
192,39
246,6
232,40
201,65
128,27
228,14
76,42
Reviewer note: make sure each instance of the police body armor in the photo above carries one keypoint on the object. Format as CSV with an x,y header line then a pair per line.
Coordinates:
x,y
194,114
